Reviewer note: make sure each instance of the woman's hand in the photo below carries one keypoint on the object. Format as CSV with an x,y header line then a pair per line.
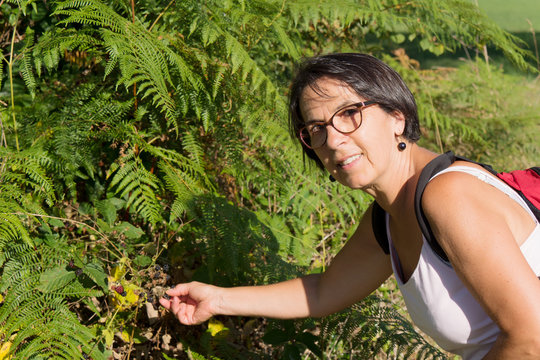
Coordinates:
x,y
192,303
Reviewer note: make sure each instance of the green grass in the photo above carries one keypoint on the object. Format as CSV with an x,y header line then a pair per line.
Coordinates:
x,y
513,15
519,17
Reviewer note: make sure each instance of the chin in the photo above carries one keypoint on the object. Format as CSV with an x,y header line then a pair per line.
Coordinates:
x,y
356,182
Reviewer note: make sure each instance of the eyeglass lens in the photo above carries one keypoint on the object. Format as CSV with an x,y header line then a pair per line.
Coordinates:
x,y
345,121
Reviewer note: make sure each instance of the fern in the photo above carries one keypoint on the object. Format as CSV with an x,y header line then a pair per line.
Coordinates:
x,y
51,47
203,143
35,314
232,242
20,171
183,186
133,181
25,168
26,66
373,327
141,57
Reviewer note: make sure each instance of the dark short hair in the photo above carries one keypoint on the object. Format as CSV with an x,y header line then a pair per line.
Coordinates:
x,y
368,76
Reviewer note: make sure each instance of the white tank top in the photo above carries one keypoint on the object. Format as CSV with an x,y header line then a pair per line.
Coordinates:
x,y
440,304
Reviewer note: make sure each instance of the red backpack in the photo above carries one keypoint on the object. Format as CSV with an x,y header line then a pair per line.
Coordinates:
x,y
525,182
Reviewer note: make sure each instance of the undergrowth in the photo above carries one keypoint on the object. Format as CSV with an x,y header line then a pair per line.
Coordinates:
x,y
145,144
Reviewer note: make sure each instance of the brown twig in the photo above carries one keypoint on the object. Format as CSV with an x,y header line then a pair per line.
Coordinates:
x,y
132,334
160,15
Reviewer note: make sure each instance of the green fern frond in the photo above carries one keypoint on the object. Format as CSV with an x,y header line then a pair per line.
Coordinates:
x,y
234,241
91,13
25,168
374,327
182,185
139,186
266,125
193,147
26,62
51,46
140,56
39,320
11,226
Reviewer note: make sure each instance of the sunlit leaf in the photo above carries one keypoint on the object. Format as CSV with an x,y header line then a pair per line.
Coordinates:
x,y
55,278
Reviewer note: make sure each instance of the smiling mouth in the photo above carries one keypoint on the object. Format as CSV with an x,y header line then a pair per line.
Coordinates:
x,y
350,160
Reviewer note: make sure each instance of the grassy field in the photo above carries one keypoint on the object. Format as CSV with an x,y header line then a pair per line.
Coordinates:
x,y
513,15
519,17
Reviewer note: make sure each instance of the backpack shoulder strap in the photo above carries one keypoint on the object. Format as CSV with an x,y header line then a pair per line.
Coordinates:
x,y
378,215
436,165
378,224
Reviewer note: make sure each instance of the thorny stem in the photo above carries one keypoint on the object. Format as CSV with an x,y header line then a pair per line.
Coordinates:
x,y
106,329
132,333
158,254
10,70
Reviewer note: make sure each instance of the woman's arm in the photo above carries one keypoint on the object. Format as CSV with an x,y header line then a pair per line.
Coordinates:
x,y
481,229
356,271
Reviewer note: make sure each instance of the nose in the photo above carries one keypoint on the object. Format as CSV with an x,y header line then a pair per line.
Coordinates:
x,y
333,137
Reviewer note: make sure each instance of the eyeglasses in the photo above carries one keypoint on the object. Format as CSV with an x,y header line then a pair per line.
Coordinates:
x,y
346,120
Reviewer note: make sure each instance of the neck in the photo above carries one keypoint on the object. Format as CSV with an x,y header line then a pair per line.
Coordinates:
x,y
396,189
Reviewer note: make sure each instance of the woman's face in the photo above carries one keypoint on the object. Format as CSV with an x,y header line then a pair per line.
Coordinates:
x,y
357,159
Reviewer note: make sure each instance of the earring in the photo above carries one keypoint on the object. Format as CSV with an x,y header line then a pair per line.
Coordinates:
x,y
401,146
331,178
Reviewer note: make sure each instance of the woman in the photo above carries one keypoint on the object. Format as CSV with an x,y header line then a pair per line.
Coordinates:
x,y
356,118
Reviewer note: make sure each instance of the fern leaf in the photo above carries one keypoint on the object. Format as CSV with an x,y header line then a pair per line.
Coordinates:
x,y
133,181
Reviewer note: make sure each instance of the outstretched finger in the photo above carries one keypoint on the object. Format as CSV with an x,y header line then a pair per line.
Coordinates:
x,y
179,290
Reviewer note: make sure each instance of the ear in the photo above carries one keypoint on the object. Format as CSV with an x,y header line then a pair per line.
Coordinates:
x,y
399,122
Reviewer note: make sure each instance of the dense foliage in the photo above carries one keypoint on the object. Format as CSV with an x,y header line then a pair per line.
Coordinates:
x,y
145,143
